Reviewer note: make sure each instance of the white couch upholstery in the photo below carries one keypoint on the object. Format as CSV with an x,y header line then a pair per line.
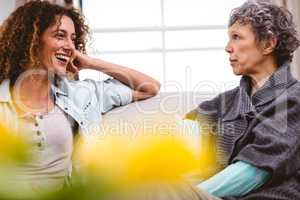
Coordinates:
x,y
162,111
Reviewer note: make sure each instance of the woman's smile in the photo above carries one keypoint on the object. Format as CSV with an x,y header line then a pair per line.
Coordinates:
x,y
58,45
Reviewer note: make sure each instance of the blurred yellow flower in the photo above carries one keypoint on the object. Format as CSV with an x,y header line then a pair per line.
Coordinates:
x,y
161,158
13,147
148,157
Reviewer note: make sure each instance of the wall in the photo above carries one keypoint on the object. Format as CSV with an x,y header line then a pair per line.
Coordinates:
x,y
6,7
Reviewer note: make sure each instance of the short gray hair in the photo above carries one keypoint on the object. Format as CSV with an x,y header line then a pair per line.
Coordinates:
x,y
268,20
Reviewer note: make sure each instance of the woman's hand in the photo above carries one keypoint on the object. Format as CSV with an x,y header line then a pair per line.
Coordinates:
x,y
143,86
78,62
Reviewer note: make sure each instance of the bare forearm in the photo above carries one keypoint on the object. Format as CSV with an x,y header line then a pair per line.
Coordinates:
x,y
134,79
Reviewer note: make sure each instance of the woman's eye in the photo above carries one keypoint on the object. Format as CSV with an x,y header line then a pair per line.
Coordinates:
x,y
236,37
59,36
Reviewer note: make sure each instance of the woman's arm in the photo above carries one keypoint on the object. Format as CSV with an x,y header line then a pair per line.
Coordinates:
x,y
143,86
235,180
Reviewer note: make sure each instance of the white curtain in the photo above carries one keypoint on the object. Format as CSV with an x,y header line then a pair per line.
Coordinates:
x,y
294,7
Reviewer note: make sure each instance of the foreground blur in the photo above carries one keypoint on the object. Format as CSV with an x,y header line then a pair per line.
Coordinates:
x,y
104,166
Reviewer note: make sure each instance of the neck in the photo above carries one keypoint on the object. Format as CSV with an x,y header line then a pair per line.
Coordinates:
x,y
32,92
265,70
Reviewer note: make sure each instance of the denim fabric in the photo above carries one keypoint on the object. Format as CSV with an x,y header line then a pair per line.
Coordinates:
x,y
85,101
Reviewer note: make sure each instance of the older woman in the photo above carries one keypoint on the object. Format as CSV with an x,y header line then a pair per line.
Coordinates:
x,y
258,122
39,44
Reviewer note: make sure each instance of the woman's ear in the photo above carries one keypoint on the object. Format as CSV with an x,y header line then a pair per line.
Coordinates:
x,y
269,45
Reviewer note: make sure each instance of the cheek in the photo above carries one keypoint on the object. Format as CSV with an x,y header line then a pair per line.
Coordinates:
x,y
241,52
46,54
246,55
53,45
57,43
46,57
50,49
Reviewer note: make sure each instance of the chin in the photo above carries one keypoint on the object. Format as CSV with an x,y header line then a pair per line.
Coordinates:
x,y
237,70
237,73
57,71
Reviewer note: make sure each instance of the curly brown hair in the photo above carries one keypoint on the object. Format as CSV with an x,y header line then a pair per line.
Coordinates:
x,y
21,32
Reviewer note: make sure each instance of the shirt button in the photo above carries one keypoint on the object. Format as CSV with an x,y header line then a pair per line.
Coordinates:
x,y
41,116
39,144
38,133
81,123
66,108
36,124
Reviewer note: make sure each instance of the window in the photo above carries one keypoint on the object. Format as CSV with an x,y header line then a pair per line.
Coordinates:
x,y
179,42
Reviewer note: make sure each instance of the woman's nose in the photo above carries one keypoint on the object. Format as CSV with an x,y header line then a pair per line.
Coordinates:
x,y
228,48
69,47
69,44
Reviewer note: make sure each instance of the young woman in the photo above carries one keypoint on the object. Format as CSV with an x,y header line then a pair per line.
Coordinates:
x,y
39,44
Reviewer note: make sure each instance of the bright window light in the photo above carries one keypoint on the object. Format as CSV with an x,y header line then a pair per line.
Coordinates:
x,y
120,13
179,42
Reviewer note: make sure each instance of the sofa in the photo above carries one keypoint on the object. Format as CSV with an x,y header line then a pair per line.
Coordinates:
x,y
163,113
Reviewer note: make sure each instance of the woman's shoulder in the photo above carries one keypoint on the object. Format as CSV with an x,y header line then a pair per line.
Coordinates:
x,y
77,85
289,99
225,97
93,83
223,100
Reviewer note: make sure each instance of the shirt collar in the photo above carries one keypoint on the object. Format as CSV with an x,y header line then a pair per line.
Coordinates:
x,y
243,104
274,86
4,91
240,105
60,86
